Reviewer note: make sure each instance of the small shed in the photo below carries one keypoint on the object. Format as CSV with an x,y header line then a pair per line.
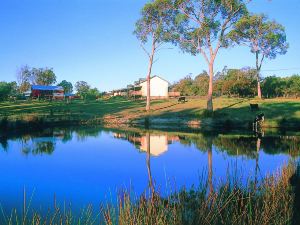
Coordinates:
x,y
43,91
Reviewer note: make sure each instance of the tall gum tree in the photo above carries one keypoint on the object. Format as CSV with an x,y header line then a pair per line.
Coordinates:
x,y
266,39
201,27
152,31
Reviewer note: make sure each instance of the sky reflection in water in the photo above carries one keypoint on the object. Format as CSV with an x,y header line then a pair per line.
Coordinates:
x,y
90,165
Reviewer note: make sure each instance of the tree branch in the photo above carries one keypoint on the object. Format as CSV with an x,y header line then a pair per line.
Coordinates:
x,y
261,61
145,50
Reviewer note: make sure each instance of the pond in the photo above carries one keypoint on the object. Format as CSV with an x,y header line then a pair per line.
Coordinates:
x,y
82,166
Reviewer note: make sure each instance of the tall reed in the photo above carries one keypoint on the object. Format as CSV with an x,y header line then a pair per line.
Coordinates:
x,y
270,202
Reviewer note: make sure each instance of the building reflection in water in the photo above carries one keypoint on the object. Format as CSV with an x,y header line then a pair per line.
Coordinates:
x,y
156,144
153,145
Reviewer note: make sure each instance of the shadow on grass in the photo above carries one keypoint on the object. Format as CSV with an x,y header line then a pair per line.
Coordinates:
x,y
233,113
100,108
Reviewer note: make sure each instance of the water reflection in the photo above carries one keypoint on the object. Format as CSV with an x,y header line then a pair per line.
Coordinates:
x,y
210,167
247,145
44,143
3,143
148,150
82,164
157,143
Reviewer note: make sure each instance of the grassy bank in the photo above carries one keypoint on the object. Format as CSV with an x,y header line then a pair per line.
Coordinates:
x,y
229,112
272,201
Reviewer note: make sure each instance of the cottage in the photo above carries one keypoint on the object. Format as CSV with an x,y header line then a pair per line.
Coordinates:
x,y
159,87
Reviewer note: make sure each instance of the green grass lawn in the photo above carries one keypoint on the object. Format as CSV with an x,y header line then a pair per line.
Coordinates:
x,y
277,111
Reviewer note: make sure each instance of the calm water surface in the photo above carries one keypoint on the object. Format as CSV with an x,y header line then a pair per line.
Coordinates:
x,y
90,165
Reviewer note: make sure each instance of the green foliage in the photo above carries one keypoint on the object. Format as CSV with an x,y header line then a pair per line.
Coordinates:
x,y
201,83
231,82
44,76
7,90
241,83
273,87
27,76
201,27
154,22
82,88
68,87
93,94
281,86
293,86
185,86
189,87
264,37
198,24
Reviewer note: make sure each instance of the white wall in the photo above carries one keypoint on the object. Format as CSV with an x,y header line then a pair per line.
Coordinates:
x,y
158,87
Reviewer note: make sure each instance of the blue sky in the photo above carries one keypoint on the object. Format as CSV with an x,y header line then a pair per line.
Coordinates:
x,y
92,40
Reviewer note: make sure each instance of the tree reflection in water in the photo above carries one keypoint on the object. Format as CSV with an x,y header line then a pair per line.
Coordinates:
x,y
38,147
238,145
148,159
4,143
233,144
258,145
210,165
156,144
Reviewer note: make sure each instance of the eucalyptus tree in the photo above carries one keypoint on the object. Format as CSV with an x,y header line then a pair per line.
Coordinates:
x,y
266,39
82,88
67,86
44,76
24,78
201,27
152,31
27,76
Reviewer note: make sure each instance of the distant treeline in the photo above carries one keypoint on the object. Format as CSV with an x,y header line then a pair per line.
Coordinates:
x,y
239,83
27,76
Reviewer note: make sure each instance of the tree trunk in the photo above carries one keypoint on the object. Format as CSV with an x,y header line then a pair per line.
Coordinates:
x,y
257,76
148,93
148,79
258,87
210,87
